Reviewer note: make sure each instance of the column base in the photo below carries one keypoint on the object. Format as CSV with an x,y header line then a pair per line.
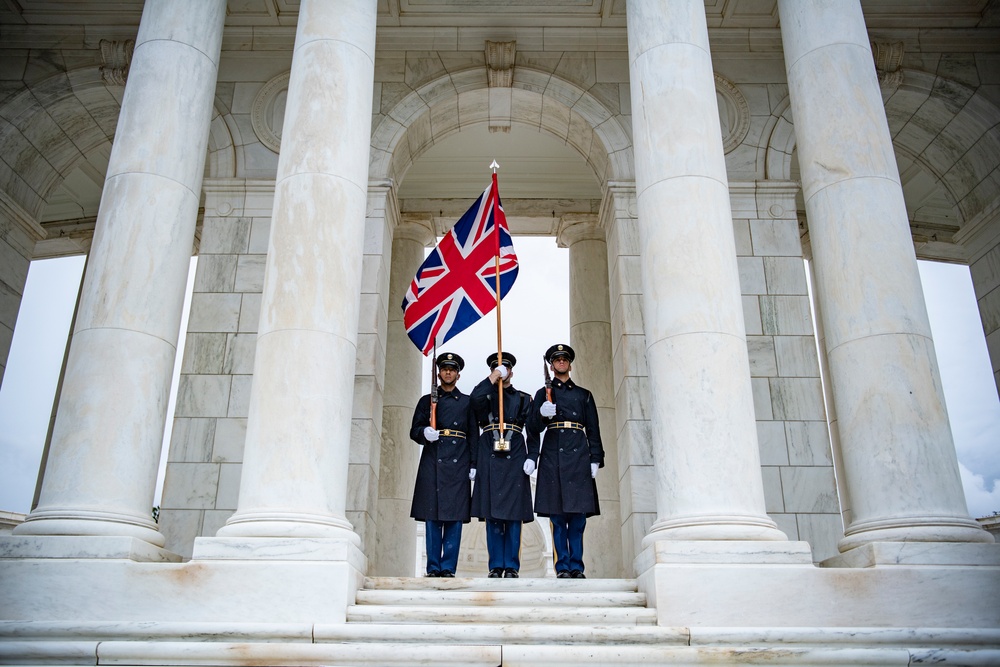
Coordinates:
x,y
775,585
253,581
279,548
715,527
286,525
84,547
887,554
105,524
954,529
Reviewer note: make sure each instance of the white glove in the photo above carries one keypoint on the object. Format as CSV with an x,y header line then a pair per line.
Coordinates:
x,y
503,371
529,467
593,470
548,409
472,475
430,434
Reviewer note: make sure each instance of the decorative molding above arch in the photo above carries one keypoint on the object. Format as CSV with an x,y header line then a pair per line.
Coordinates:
x,y
539,100
268,111
734,113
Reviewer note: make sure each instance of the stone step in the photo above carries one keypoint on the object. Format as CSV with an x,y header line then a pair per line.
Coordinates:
x,y
514,633
530,597
216,654
398,614
392,654
485,584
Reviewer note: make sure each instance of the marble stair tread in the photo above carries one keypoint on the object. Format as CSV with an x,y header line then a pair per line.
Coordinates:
x,y
392,654
533,598
499,615
514,633
216,654
484,584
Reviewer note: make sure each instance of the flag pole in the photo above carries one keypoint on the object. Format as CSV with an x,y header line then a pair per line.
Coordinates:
x,y
434,387
496,260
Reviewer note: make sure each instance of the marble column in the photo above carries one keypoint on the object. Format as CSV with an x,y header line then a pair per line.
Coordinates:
x,y
708,480
396,548
900,465
590,336
295,466
106,442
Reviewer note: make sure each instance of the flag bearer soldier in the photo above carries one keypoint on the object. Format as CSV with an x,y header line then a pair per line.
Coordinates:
x,y
442,493
571,454
502,465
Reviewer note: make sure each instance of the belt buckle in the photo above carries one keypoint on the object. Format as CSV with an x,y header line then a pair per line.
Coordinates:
x,y
501,444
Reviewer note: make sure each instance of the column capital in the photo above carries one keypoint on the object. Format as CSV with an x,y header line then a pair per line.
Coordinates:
x,y
619,201
575,227
417,227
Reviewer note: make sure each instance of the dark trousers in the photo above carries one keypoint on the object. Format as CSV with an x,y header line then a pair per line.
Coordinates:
x,y
443,540
567,540
503,542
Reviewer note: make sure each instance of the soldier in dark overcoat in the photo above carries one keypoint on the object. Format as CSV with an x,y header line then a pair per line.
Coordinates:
x,y
442,492
502,493
571,454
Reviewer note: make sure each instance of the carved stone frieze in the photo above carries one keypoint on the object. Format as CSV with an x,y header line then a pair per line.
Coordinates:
x,y
500,74
888,60
116,58
734,113
500,63
268,111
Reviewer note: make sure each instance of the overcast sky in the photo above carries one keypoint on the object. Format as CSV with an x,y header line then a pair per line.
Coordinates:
x,y
535,315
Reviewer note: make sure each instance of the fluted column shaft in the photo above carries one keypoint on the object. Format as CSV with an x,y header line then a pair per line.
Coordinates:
x,y
101,472
708,479
900,466
295,467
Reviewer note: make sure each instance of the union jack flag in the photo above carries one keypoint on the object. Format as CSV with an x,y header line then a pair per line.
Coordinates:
x,y
456,284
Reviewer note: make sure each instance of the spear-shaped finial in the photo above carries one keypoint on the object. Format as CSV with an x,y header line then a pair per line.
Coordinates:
x,y
494,166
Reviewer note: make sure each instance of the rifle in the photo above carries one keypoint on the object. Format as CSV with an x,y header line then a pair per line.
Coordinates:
x,y
548,380
434,391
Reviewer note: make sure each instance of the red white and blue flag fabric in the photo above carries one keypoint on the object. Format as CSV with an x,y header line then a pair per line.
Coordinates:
x,y
456,284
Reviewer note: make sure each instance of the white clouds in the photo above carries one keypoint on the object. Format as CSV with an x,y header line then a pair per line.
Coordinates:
x,y
982,501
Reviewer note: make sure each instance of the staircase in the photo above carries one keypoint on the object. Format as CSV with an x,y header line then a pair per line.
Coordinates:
x,y
504,618
479,622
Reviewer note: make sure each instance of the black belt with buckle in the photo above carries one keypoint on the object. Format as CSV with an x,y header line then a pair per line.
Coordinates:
x,y
506,427
572,425
451,433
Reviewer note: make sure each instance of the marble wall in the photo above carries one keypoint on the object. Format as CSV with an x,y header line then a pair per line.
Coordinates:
x,y
206,448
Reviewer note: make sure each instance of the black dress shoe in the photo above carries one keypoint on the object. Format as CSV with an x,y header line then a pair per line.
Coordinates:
x,y
510,573
451,575
495,573
433,573
577,574
564,574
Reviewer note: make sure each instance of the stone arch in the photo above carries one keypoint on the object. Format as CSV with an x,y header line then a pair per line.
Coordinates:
x,y
951,131
221,147
539,100
49,127
780,133
944,127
